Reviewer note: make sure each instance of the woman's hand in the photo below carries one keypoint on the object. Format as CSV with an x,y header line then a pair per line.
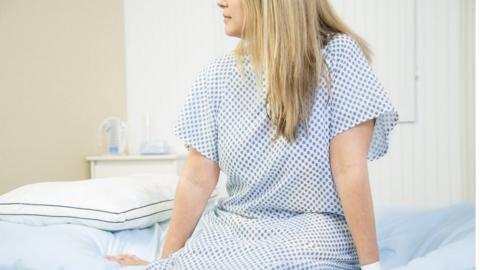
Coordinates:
x,y
127,259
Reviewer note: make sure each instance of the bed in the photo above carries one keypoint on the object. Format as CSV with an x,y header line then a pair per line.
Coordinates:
x,y
70,246
409,238
439,238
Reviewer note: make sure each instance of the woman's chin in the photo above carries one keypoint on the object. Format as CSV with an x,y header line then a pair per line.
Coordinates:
x,y
231,33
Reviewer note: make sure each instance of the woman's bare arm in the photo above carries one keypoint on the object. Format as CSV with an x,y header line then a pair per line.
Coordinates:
x,y
197,182
349,165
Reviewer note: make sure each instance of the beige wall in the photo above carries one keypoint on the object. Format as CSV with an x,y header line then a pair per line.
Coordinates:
x,y
62,71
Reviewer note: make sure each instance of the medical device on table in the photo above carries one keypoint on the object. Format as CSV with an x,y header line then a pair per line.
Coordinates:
x,y
112,135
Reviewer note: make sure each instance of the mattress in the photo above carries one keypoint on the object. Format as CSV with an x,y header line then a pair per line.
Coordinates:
x,y
68,246
440,238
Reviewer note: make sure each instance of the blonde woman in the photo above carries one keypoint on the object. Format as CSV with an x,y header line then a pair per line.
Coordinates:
x,y
291,117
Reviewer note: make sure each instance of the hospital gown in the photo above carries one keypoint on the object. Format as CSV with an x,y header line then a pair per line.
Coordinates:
x,y
281,210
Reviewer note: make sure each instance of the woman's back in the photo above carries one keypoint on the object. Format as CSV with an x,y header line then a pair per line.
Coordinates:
x,y
281,202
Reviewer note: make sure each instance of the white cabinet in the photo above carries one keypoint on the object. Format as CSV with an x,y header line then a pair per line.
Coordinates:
x,y
121,165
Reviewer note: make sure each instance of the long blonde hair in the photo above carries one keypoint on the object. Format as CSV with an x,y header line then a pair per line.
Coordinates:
x,y
283,39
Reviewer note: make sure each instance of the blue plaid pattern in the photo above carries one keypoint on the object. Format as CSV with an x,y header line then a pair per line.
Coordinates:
x,y
282,210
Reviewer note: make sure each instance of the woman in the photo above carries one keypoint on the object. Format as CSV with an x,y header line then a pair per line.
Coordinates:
x,y
292,118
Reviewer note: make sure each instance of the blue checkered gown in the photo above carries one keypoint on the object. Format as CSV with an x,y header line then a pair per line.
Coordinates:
x,y
281,210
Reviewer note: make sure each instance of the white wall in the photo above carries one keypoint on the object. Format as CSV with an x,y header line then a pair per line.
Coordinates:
x,y
167,44
430,162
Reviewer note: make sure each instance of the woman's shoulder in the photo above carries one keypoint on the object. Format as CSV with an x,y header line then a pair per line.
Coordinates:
x,y
341,41
220,65
343,50
341,47
212,76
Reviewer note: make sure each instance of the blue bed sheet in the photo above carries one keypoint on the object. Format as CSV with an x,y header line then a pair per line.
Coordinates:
x,y
440,239
418,239
72,247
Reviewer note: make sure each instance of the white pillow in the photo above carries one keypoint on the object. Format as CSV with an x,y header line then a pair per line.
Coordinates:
x,y
114,203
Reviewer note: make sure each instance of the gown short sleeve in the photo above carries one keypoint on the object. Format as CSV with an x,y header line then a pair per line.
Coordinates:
x,y
358,96
196,124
